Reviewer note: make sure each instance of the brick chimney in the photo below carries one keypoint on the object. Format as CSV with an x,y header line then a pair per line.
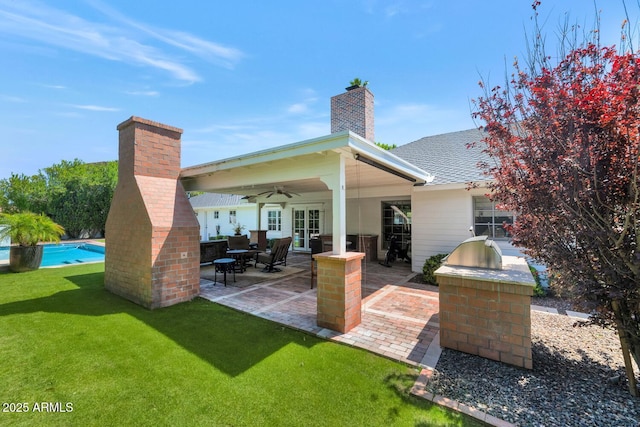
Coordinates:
x,y
353,110
152,254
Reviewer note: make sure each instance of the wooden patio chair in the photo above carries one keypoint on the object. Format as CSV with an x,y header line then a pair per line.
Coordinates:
x,y
277,256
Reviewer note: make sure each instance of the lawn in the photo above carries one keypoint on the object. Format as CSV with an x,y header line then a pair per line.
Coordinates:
x,y
67,342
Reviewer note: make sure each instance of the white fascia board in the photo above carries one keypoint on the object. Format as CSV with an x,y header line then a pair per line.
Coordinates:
x,y
386,158
316,145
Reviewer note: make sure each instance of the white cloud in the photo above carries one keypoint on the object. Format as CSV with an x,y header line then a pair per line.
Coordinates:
x,y
298,108
205,49
304,106
143,92
55,27
95,108
11,98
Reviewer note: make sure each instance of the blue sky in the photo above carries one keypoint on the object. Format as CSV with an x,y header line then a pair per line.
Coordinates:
x,y
247,75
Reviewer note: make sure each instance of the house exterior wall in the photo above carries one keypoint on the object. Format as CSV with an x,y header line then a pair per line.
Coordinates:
x,y
285,221
364,216
245,215
441,220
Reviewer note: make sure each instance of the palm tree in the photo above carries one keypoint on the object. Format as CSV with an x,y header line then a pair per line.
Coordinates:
x,y
28,230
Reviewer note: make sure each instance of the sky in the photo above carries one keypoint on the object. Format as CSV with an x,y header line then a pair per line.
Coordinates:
x,y
244,76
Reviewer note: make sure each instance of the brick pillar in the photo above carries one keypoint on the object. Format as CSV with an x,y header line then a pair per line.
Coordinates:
x,y
152,254
353,110
339,290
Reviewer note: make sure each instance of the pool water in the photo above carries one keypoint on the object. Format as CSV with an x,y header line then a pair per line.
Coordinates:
x,y
65,254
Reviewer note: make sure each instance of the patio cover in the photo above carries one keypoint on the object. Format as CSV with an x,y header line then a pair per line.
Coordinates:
x,y
339,162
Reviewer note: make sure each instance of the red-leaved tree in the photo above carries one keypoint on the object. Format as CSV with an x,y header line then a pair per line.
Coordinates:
x,y
564,143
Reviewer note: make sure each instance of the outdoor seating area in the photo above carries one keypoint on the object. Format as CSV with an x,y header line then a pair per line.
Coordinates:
x,y
237,247
399,317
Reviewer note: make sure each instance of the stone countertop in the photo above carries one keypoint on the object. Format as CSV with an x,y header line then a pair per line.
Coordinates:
x,y
514,271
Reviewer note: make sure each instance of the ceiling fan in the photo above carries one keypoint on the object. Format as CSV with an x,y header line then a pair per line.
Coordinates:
x,y
276,190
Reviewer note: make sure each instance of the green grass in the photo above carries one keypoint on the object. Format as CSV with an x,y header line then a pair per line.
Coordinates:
x,y
63,338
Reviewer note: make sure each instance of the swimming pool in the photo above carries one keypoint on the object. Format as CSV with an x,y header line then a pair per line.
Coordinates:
x,y
55,255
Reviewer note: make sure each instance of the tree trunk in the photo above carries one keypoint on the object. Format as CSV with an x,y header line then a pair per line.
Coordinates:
x,y
625,343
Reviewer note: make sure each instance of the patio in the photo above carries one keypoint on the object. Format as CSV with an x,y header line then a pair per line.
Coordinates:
x,y
399,318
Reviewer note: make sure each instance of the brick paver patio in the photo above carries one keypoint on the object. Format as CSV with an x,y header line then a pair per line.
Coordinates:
x,y
399,318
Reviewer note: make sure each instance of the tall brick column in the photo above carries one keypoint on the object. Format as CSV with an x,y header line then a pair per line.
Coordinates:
x,y
152,235
339,290
353,110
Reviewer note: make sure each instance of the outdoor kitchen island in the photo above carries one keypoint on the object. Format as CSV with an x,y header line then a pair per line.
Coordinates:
x,y
485,303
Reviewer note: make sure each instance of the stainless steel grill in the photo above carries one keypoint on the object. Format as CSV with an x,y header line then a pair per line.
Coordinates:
x,y
477,252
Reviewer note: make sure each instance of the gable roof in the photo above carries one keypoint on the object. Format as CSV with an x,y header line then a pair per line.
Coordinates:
x,y
447,157
212,200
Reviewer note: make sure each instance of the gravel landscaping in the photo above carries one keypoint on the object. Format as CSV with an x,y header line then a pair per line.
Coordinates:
x,y
578,378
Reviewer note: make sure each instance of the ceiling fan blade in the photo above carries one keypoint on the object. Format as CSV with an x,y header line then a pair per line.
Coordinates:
x,y
287,194
271,194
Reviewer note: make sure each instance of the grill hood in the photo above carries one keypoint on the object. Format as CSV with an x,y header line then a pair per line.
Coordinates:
x,y
479,252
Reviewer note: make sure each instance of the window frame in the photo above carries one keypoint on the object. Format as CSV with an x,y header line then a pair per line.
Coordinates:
x,y
392,223
276,225
493,228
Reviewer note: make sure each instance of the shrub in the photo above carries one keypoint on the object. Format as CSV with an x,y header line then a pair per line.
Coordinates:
x,y
538,290
430,266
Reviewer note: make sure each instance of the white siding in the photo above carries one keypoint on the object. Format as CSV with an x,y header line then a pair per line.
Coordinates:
x,y
245,215
441,220
285,222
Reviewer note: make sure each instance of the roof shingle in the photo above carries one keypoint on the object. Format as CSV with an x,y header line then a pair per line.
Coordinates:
x,y
446,156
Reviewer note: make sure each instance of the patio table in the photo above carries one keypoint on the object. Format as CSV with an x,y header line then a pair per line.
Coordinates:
x,y
239,256
223,265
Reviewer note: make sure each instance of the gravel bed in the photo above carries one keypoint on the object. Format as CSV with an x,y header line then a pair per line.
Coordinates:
x,y
578,379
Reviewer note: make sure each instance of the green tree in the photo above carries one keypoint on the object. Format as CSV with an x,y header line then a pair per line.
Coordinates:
x,y
75,194
81,195
20,193
564,142
386,146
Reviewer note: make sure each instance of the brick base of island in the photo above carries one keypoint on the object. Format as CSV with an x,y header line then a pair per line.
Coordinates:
x,y
339,290
488,312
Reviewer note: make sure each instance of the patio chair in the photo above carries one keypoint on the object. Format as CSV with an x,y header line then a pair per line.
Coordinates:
x,y
277,256
242,243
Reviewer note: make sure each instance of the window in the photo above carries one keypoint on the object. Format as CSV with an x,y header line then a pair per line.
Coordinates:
x,y
274,220
396,220
216,215
232,217
488,220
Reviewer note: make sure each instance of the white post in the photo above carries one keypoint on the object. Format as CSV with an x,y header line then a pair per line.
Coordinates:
x,y
337,182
